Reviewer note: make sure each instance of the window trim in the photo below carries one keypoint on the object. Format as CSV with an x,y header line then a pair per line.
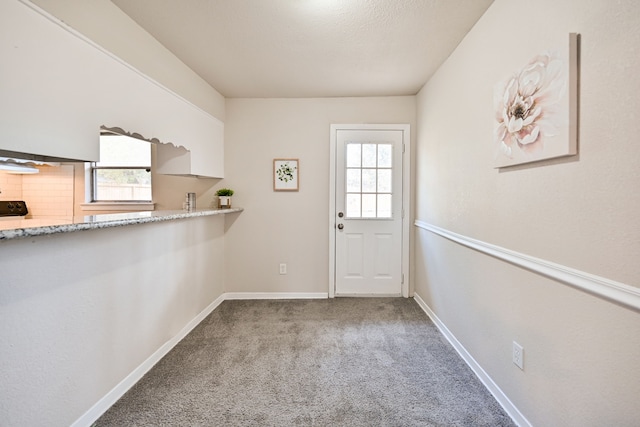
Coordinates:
x,y
108,206
118,206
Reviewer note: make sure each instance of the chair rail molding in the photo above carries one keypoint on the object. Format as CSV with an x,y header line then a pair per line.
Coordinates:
x,y
616,292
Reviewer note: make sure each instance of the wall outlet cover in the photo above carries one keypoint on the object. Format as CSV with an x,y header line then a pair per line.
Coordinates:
x,y
518,355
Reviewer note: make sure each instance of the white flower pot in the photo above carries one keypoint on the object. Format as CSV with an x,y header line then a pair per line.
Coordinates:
x,y
224,202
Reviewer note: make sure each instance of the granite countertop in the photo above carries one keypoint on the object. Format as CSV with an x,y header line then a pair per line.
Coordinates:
x,y
11,228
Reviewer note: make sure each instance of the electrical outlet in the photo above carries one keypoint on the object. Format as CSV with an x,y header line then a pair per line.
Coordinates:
x,y
518,355
283,268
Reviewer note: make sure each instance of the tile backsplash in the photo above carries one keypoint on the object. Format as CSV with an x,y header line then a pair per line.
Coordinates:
x,y
10,186
48,193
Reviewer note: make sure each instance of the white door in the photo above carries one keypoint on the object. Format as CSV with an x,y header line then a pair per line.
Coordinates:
x,y
368,216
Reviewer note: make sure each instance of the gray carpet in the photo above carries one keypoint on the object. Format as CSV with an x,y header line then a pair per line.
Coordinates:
x,y
334,362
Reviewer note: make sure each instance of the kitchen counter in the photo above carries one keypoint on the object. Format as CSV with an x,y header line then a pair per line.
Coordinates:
x,y
11,228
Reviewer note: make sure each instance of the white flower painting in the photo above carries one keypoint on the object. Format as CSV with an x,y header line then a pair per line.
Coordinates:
x,y
535,109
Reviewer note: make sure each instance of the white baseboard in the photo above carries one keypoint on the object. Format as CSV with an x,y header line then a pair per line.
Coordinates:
x,y
119,390
275,295
493,388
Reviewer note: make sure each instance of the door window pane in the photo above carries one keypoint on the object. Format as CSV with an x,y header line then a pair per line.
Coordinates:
x,y
369,155
384,205
368,205
368,180
353,180
384,155
353,205
353,155
384,180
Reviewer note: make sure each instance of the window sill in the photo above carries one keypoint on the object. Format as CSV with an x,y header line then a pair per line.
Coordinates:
x,y
118,206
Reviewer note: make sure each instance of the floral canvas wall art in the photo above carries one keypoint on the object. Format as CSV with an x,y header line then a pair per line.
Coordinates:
x,y
536,108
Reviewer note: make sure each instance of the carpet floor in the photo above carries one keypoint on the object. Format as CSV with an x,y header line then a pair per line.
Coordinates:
x,y
333,362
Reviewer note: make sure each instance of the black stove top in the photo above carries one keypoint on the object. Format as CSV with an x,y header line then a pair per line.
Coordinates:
x,y
13,208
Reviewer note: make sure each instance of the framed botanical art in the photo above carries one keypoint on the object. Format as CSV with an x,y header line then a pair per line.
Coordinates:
x,y
286,174
535,107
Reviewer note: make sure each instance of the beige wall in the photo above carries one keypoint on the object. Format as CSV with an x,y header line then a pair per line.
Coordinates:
x,y
82,311
284,227
581,352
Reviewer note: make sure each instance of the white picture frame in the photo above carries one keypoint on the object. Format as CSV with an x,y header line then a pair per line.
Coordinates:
x,y
286,174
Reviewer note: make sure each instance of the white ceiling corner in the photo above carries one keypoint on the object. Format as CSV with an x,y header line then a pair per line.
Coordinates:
x,y
309,48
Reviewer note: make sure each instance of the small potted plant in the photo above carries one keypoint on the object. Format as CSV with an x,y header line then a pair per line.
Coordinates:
x,y
224,198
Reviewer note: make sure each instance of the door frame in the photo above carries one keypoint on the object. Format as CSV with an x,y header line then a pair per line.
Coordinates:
x,y
406,198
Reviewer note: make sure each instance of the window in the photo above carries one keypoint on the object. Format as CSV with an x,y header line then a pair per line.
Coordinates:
x,y
123,173
369,173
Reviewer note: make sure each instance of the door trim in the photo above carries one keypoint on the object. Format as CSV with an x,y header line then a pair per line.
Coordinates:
x,y
406,198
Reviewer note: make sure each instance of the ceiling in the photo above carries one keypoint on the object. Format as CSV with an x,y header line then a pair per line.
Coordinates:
x,y
309,48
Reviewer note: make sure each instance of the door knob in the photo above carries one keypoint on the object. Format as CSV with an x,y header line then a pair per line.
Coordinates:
x,y
340,226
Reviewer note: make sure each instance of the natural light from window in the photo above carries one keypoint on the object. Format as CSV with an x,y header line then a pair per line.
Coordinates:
x,y
369,173
123,173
